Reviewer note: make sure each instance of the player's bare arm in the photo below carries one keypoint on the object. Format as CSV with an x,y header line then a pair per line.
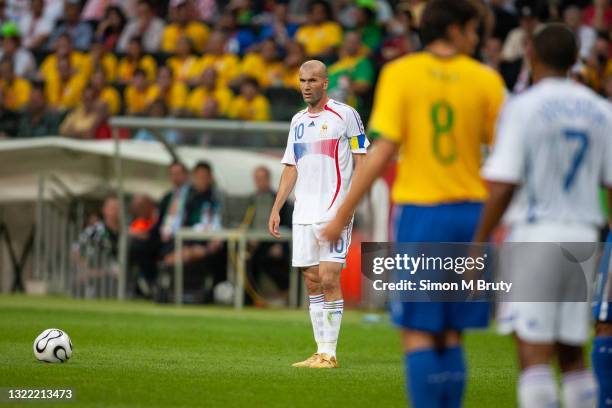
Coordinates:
x,y
365,175
500,195
287,182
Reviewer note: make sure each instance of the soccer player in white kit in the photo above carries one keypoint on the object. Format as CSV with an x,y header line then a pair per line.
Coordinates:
x,y
553,152
326,144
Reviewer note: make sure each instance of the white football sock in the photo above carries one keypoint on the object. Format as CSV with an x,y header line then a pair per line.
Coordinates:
x,y
537,388
332,318
579,389
316,317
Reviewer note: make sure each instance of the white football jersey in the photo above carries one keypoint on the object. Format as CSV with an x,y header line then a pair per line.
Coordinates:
x,y
555,142
321,146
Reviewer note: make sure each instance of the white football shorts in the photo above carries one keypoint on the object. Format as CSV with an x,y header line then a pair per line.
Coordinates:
x,y
309,249
546,322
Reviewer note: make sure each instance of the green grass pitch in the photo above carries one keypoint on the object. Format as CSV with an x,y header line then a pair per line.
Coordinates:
x,y
136,354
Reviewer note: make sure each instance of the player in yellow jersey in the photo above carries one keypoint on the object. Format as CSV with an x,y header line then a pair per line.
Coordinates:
x,y
437,108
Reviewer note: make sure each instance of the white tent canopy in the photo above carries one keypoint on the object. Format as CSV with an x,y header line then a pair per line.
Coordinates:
x,y
88,167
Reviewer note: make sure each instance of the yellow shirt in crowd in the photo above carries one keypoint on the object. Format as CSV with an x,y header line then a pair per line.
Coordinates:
x,y
109,64
317,38
15,95
175,99
197,33
440,115
199,96
184,69
125,70
110,96
64,96
135,100
257,109
226,65
267,74
78,61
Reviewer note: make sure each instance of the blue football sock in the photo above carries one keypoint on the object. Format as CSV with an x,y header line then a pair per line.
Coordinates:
x,y
602,367
423,381
453,365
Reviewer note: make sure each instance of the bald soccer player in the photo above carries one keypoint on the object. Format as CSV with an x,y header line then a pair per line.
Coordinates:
x,y
326,144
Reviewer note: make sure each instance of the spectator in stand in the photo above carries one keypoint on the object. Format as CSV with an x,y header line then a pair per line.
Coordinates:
x,y
514,46
172,93
35,26
267,258
83,122
23,60
79,31
63,90
172,208
183,24
505,20
607,84
99,56
79,62
184,65
291,64
598,15
366,24
203,212
142,251
146,25
225,63
210,100
240,38
402,36
37,120
158,109
321,36
9,121
135,95
352,77
110,27
250,104
264,65
15,90
107,97
280,29
572,16
134,60
97,246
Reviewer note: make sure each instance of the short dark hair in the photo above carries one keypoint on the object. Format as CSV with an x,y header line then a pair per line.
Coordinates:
x,y
203,165
249,80
556,46
178,163
439,15
326,6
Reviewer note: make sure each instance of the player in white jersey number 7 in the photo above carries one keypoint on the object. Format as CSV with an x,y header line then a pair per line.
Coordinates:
x,y
326,144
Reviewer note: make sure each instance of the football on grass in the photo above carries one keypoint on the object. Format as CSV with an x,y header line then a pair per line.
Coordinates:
x,y
53,346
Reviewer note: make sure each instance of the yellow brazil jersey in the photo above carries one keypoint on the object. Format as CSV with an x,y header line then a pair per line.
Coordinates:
x,y
109,64
440,111
64,95
291,78
257,110
135,101
197,33
199,96
184,70
79,62
316,38
226,65
125,70
266,73
175,98
110,96
16,94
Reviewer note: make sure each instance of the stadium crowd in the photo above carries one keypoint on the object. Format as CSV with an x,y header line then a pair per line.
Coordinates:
x,y
67,65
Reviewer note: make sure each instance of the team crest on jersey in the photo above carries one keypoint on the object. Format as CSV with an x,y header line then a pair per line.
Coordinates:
x,y
324,130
